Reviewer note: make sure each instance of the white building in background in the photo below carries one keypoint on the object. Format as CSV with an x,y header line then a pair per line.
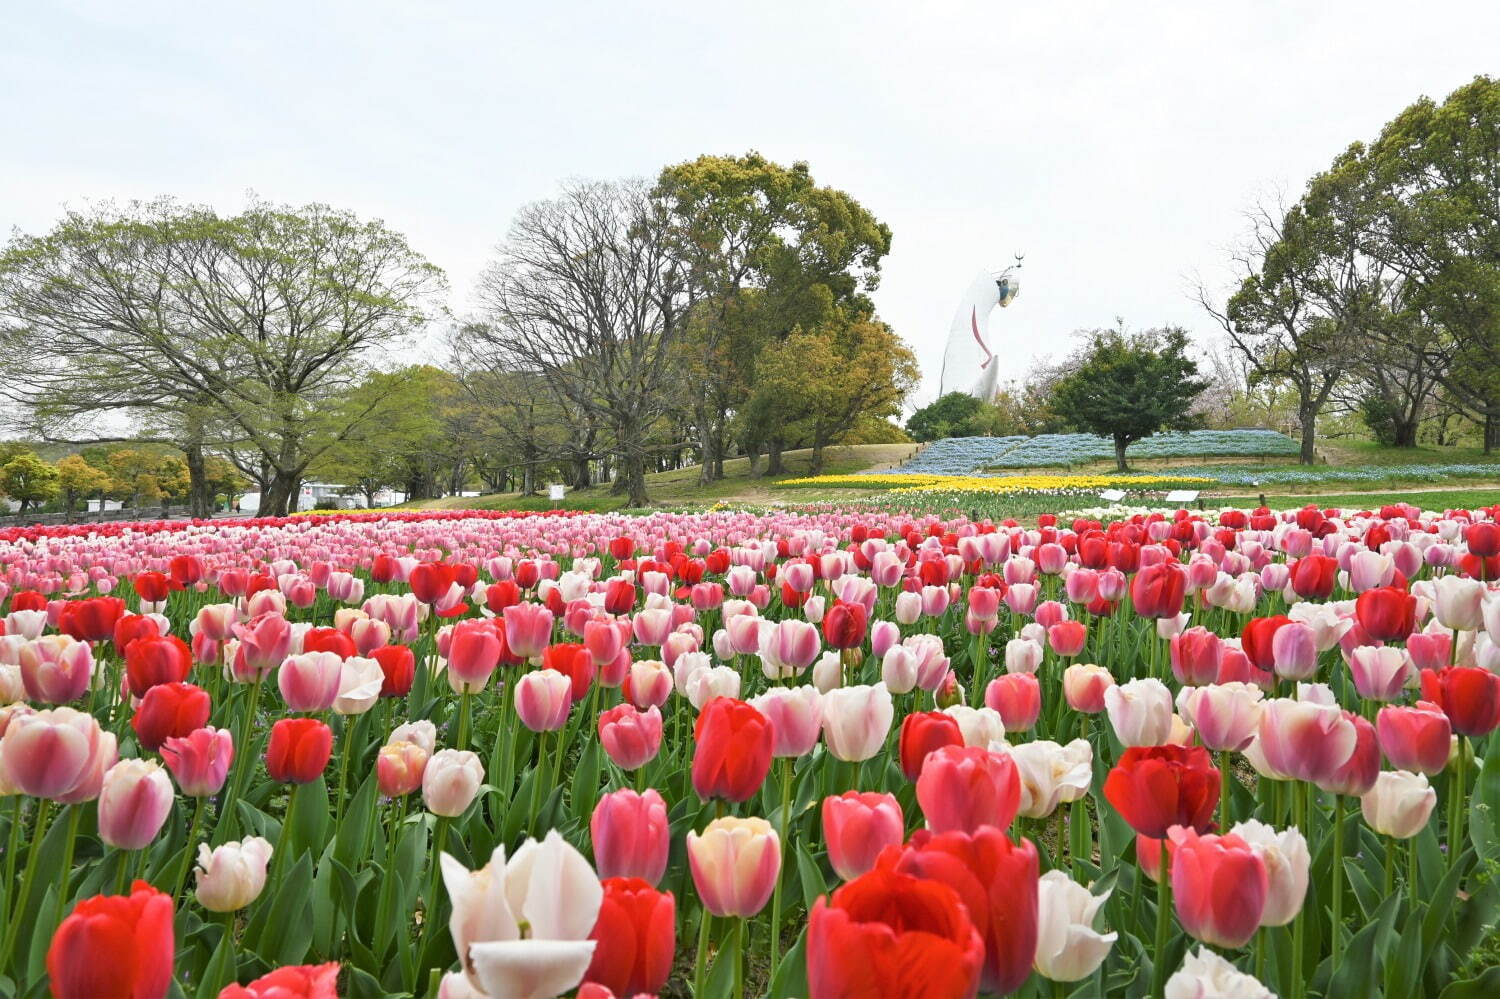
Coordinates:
x,y
312,492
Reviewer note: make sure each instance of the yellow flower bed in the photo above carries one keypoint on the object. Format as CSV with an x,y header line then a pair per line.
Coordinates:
x,y
1000,485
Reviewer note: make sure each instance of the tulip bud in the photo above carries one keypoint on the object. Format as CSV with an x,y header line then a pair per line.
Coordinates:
x,y
399,767
133,804
451,781
857,826
1140,712
232,875
735,864
1399,804
631,835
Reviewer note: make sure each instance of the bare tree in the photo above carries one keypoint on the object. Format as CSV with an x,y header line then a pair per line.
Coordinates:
x,y
587,296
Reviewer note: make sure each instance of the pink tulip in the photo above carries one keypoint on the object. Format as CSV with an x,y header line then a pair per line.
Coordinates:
x,y
603,640
1017,697
133,804
1219,886
1084,685
200,760
369,634
1195,656
56,669
631,835
796,715
1358,773
48,753
473,653
857,825
310,681
648,682
1380,673
965,787
1419,739
264,642
543,698
1225,715
630,737
1305,740
528,629
1429,650
1294,650
788,647
1067,638
735,864
934,601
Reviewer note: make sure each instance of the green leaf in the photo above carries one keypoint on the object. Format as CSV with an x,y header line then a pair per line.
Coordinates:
x,y
350,837
1484,806
284,935
791,975
586,782
1359,973
1486,986
720,984
813,884
220,970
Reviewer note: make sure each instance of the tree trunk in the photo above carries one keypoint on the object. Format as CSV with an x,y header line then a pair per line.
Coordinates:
x,y
633,477
707,453
581,473
774,466
279,498
1405,433
1120,444
1491,433
200,497
1307,415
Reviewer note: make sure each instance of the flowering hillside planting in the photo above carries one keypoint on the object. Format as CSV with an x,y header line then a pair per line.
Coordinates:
x,y
835,752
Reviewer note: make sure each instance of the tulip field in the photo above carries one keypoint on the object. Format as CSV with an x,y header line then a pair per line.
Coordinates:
x,y
823,752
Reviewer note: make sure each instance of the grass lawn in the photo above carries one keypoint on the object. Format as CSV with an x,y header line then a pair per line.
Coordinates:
x,y
680,487
1437,499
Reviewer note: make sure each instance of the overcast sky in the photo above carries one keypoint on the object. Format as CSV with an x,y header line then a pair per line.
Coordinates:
x,y
1117,145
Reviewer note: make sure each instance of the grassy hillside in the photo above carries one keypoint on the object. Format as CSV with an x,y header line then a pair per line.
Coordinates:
x,y
680,486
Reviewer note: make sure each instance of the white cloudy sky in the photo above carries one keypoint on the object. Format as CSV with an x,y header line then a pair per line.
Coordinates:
x,y
1116,144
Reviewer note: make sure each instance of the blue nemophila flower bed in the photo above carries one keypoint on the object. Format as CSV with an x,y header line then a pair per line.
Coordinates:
x,y
971,455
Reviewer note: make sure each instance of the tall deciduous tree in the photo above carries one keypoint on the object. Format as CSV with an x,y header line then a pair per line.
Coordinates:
x,y
588,296
262,320
1127,386
29,479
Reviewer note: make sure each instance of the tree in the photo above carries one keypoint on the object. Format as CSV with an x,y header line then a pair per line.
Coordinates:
x,y
767,251
261,322
1128,386
28,478
1429,199
826,380
588,298
77,479
953,415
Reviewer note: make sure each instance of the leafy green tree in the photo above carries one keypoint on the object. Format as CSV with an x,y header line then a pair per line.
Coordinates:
x,y
26,477
258,324
78,480
768,251
956,414
828,379
1127,386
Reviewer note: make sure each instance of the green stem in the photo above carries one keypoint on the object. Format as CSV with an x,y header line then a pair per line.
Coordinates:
x,y
1300,793
65,873
536,780
463,719
234,962
786,807
286,843
122,876
1163,916
703,927
1225,776
1390,864
1412,871
1456,808
429,916
242,763
187,860
13,925
338,805
1338,880
739,958
13,844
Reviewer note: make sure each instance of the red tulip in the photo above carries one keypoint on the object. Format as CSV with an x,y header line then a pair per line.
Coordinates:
x,y
890,934
619,596
170,710
133,626
431,581
90,620
298,750
1219,887
304,981
399,666
114,947
1158,590
997,881
733,751
921,733
1157,787
1257,638
151,587
635,937
965,787
1195,656
1483,539
844,625
574,662
329,640
1313,576
1386,613
150,661
1468,695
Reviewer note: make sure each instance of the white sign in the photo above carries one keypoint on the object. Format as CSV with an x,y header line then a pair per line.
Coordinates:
x,y
1112,495
1182,495
556,492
